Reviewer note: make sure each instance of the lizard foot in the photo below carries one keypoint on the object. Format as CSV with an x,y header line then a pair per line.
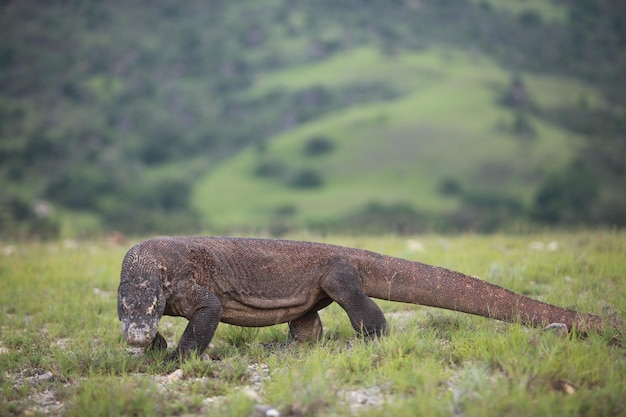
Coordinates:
x,y
178,356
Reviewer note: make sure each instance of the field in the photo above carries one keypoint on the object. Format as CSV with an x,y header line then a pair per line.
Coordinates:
x,y
62,353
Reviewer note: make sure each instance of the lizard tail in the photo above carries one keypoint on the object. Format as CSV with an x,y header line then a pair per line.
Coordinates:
x,y
417,283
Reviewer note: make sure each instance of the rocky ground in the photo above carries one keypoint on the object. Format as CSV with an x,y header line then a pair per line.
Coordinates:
x,y
43,397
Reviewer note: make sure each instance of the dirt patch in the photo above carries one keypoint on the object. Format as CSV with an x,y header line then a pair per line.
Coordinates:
x,y
44,388
363,398
41,398
257,375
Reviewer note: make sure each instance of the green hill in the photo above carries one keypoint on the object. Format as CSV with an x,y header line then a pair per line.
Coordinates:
x,y
444,126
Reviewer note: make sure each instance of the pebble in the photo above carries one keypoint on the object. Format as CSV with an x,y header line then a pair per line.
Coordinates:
x,y
364,397
559,329
565,387
37,379
213,400
266,411
251,394
177,375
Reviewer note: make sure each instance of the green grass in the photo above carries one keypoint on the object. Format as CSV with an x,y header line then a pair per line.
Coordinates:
x,y
61,350
445,124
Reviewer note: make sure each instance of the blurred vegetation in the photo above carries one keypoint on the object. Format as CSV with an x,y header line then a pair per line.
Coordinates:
x,y
113,110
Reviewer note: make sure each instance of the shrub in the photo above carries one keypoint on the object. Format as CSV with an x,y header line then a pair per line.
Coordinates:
x,y
449,186
566,197
270,169
19,218
318,145
375,217
306,178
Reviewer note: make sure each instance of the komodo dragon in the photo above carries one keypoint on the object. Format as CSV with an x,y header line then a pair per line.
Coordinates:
x,y
261,282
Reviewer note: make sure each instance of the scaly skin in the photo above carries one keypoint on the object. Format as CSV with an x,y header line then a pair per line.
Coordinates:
x,y
261,282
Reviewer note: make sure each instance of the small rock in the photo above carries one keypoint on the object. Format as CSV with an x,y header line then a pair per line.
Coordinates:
x,y
257,373
564,386
568,389
97,291
213,400
3,350
63,343
177,375
559,329
263,410
250,393
364,397
37,379
272,412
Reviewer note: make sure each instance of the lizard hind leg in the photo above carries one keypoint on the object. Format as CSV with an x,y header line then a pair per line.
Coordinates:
x,y
343,285
306,328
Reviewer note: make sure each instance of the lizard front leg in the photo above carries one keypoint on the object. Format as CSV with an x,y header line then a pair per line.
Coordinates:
x,y
201,326
158,344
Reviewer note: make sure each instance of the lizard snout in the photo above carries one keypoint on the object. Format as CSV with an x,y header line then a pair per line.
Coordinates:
x,y
138,334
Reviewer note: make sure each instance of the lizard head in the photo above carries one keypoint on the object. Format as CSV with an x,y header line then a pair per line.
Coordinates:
x,y
140,305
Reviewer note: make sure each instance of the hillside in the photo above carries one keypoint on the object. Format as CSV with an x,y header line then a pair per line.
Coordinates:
x,y
153,117
443,126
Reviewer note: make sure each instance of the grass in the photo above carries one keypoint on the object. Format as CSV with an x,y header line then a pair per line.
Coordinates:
x,y
61,350
444,124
